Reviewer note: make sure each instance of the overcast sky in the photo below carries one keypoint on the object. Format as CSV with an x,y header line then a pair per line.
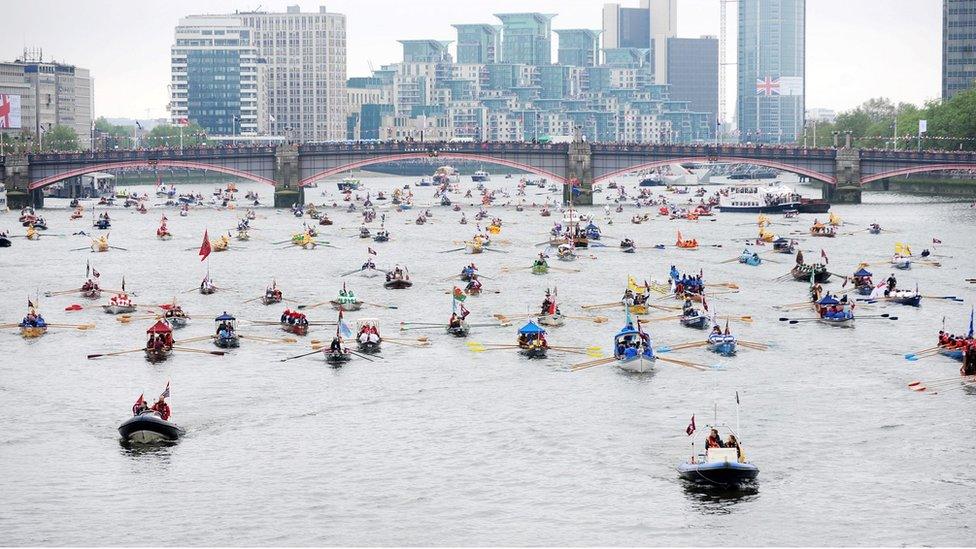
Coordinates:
x,y
856,49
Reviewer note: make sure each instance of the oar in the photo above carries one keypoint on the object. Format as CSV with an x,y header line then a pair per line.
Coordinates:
x,y
563,270
270,339
9,325
961,386
64,292
312,306
406,343
949,297
452,250
402,323
752,344
930,349
942,380
672,317
117,248
744,318
254,299
194,339
594,319
360,355
116,353
590,364
381,306
684,363
199,351
76,326
319,350
680,346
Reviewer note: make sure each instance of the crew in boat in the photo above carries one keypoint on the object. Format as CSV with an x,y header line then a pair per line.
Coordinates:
x,y
714,440
336,345
455,321
272,292
474,285
369,333
547,302
688,309
161,408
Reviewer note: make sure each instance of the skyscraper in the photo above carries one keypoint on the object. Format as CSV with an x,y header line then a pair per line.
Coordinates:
x,y
771,70
215,75
478,43
693,73
646,27
526,38
426,51
958,46
578,47
303,59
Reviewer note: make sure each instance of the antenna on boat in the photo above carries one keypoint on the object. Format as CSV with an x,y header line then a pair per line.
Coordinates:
x,y
737,432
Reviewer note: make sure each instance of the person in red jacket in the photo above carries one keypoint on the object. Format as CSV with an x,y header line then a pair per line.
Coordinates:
x,y
161,408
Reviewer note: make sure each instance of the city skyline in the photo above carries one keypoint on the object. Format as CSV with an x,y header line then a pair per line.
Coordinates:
x,y
841,71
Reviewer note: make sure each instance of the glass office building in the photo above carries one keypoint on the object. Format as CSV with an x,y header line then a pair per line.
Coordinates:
x,y
958,46
526,38
693,73
214,90
771,70
578,47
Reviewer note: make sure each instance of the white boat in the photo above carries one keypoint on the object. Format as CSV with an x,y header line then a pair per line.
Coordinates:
x,y
901,262
480,175
753,198
348,184
551,319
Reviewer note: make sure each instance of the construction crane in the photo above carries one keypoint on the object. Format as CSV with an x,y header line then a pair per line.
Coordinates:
x,y
723,62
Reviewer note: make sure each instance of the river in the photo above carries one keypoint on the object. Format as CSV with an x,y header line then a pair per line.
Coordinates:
x,y
445,446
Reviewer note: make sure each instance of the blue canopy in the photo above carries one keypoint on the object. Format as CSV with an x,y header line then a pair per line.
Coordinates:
x,y
224,317
828,300
626,330
862,272
592,226
531,328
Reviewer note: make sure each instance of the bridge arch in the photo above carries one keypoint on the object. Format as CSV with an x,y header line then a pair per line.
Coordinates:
x,y
916,169
487,159
50,180
728,159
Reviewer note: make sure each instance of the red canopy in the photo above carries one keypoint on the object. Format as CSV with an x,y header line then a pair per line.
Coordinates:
x,y
159,327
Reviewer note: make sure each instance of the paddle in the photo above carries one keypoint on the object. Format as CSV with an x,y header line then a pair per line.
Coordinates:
x,y
314,305
381,306
65,292
90,357
270,339
199,351
948,297
594,319
319,350
684,363
590,364
76,326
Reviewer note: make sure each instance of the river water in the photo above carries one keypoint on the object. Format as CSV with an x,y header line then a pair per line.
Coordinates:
x,y
444,446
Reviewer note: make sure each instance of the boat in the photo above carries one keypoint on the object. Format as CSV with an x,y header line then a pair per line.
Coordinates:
x,y
119,304
160,342
294,322
33,325
480,176
566,252
862,281
833,312
911,298
368,338
397,279
784,246
693,318
627,246
207,286
445,200
723,344
753,198
5,240
460,328
722,467
346,301
175,317
803,271
686,244
272,294
532,341
540,267
148,428
381,235
226,334
348,184
550,315
750,258
592,231
652,180
633,349
901,262
324,220
821,230
337,358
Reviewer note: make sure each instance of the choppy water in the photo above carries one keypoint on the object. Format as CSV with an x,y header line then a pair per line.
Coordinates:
x,y
445,446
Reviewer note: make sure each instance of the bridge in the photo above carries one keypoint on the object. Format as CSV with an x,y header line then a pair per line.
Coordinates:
x,y
290,168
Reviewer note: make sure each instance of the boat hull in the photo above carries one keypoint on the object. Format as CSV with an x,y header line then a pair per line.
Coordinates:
x,y
697,322
346,305
157,355
32,332
719,474
534,352
554,320
149,429
297,329
459,331
337,359
227,342
176,322
397,284
118,309
639,364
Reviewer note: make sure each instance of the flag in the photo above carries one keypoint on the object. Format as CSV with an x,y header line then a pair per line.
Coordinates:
x,y
87,269
123,284
95,273
936,241
970,334
165,393
767,86
183,121
823,254
704,302
458,294
464,312
370,250
205,247
139,402
30,304
691,426
344,328
737,397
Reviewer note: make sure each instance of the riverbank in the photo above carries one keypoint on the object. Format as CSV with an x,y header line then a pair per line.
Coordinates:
x,y
962,188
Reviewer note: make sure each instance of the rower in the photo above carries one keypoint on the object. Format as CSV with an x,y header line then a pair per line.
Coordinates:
x,y
687,308
336,345
892,282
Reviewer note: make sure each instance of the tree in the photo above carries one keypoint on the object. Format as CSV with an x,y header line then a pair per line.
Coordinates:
x,y
167,135
60,138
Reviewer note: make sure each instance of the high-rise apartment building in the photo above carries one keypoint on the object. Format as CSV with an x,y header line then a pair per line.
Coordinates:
x,y
526,38
215,76
426,51
771,69
300,63
693,73
478,43
648,26
958,46
578,47
49,94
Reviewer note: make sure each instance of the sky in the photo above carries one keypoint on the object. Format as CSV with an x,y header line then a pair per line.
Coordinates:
x,y
856,49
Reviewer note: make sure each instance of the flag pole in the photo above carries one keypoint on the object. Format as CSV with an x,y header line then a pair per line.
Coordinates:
x,y
737,432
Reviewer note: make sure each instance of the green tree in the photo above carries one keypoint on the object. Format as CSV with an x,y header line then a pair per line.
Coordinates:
x,y
166,135
60,138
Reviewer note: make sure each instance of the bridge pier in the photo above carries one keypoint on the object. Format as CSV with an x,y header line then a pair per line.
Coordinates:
x,y
16,178
579,169
287,176
848,173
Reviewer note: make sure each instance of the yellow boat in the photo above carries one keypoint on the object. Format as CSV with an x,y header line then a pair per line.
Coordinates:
x,y
220,245
763,220
494,229
100,244
765,235
32,233
834,220
32,332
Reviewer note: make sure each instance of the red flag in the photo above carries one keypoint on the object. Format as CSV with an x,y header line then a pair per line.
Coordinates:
x,y
165,393
138,404
205,247
691,426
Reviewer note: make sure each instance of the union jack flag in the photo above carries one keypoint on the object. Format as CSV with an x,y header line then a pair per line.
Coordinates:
x,y
767,86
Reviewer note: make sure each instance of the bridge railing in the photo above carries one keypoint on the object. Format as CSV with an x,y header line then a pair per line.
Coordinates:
x,y
715,150
394,147
150,154
918,156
